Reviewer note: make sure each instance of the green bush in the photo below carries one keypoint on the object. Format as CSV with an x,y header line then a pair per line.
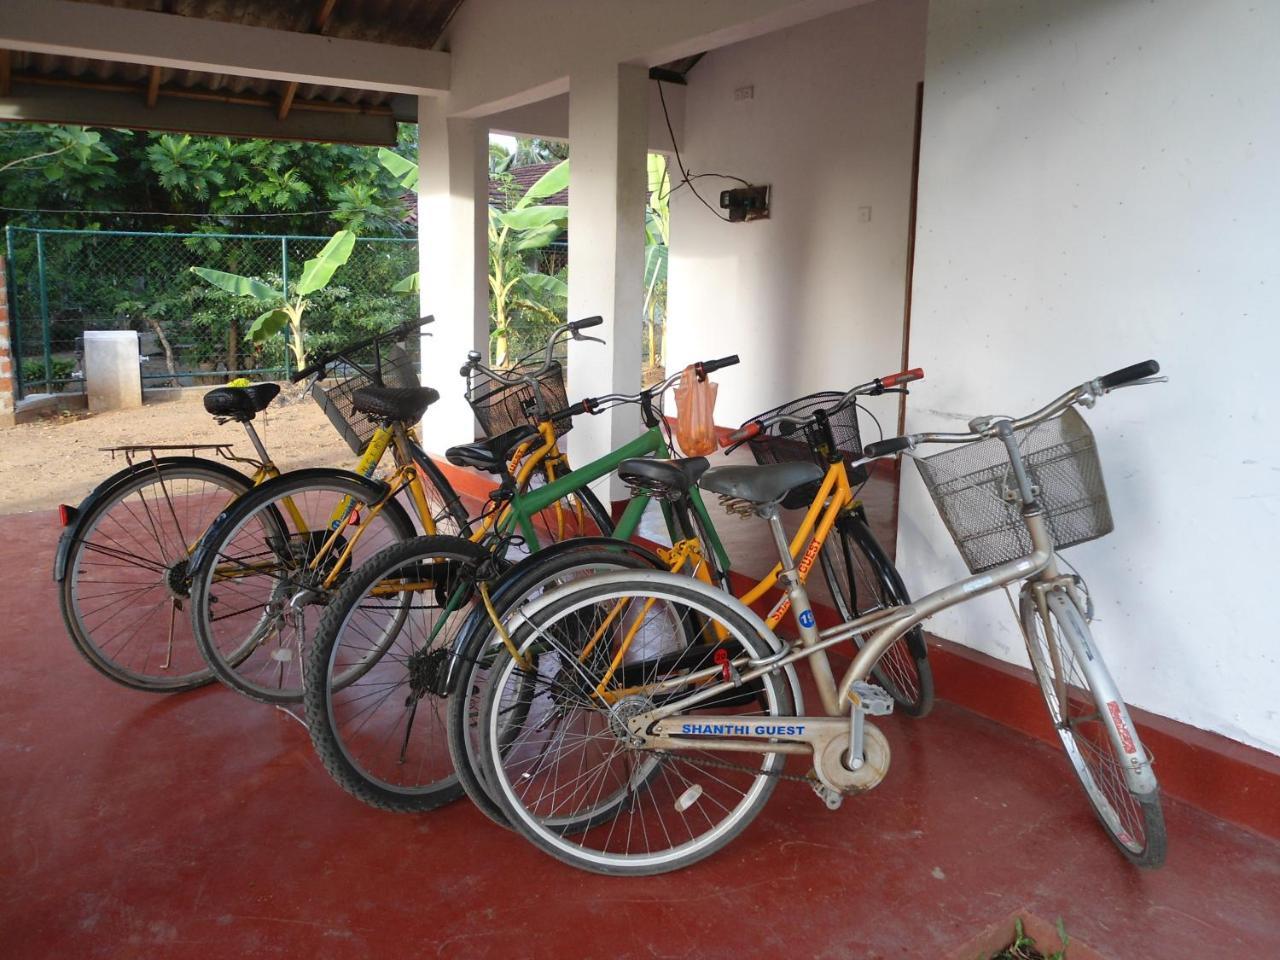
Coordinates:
x,y
33,369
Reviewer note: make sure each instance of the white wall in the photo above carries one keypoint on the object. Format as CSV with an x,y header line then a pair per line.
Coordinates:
x,y
811,298
506,53
1099,186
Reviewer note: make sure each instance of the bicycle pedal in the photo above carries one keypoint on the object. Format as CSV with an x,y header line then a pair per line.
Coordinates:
x,y
872,699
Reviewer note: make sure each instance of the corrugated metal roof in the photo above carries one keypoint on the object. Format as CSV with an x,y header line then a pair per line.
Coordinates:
x,y
405,23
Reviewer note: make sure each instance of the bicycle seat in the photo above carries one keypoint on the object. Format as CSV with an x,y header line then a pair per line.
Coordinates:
x,y
668,479
407,404
490,455
768,483
240,403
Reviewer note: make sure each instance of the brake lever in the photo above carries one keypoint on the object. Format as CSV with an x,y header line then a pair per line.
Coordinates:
x,y
583,337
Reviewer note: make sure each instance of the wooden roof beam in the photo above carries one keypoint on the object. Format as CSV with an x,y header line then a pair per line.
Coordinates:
x,y
69,29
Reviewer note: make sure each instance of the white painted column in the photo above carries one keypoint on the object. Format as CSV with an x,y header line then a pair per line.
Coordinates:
x,y
453,256
608,117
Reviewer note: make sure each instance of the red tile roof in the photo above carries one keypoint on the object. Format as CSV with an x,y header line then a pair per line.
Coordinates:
x,y
522,179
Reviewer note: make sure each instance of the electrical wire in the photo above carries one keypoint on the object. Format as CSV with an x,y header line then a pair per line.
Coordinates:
x,y
687,180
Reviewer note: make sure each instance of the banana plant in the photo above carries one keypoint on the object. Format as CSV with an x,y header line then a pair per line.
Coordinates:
x,y
513,233
657,237
316,274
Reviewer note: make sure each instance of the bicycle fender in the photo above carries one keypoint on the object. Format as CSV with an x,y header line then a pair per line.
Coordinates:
x,y
714,594
265,492
108,488
477,623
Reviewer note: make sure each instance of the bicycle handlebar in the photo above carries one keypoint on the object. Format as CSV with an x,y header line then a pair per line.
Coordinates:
x,y
890,382
573,328
318,366
980,428
594,405
1137,371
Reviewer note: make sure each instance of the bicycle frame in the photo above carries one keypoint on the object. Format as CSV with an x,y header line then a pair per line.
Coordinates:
x,y
833,497
519,512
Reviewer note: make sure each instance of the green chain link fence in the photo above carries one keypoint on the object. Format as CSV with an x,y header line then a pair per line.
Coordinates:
x,y
64,282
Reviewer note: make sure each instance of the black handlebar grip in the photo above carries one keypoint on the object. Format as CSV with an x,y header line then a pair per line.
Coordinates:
x,y
1138,371
884,447
711,366
586,323
582,406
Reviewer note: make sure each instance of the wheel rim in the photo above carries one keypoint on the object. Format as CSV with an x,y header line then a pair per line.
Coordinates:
x,y
572,782
1084,735
862,593
388,720
127,588
263,587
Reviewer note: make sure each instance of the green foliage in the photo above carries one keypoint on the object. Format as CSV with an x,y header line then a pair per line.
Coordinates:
x,y
234,283
319,270
316,274
526,226
61,369
204,183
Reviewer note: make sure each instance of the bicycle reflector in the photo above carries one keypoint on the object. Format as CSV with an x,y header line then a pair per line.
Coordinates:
x,y
66,514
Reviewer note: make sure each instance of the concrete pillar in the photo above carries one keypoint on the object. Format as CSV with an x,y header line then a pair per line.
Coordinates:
x,y
608,118
453,251
112,374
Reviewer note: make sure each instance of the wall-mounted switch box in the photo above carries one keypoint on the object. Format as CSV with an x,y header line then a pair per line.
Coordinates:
x,y
746,203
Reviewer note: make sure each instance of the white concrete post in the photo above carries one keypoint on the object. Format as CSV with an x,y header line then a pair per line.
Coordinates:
x,y
112,373
608,117
453,258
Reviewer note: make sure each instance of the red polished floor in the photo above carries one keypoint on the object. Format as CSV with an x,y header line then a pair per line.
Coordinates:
x,y
202,826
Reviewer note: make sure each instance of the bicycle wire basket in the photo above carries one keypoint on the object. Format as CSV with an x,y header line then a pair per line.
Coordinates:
x,y
335,393
789,443
974,489
500,408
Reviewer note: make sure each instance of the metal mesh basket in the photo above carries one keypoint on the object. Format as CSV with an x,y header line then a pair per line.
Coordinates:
x,y
500,408
335,393
788,443
974,489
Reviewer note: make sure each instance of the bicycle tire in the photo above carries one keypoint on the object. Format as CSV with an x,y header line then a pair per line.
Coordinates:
x,y
1133,821
568,846
105,654
475,651
240,655
850,557
384,683
447,512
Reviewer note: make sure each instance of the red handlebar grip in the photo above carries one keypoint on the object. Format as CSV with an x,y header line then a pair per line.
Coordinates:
x,y
752,429
906,376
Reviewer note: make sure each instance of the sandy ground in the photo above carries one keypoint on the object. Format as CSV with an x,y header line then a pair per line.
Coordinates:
x,y
59,460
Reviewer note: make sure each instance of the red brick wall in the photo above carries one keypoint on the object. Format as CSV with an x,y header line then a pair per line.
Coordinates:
x,y
8,376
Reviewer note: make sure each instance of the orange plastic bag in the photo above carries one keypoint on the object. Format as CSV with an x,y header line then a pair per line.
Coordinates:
x,y
695,414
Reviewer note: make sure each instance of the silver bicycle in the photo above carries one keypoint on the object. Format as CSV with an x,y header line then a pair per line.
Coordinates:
x,y
619,751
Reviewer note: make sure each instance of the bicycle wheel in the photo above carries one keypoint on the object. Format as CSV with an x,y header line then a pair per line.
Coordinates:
x,y
1099,752
263,567
125,580
563,768
862,579
447,511
480,648
381,733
